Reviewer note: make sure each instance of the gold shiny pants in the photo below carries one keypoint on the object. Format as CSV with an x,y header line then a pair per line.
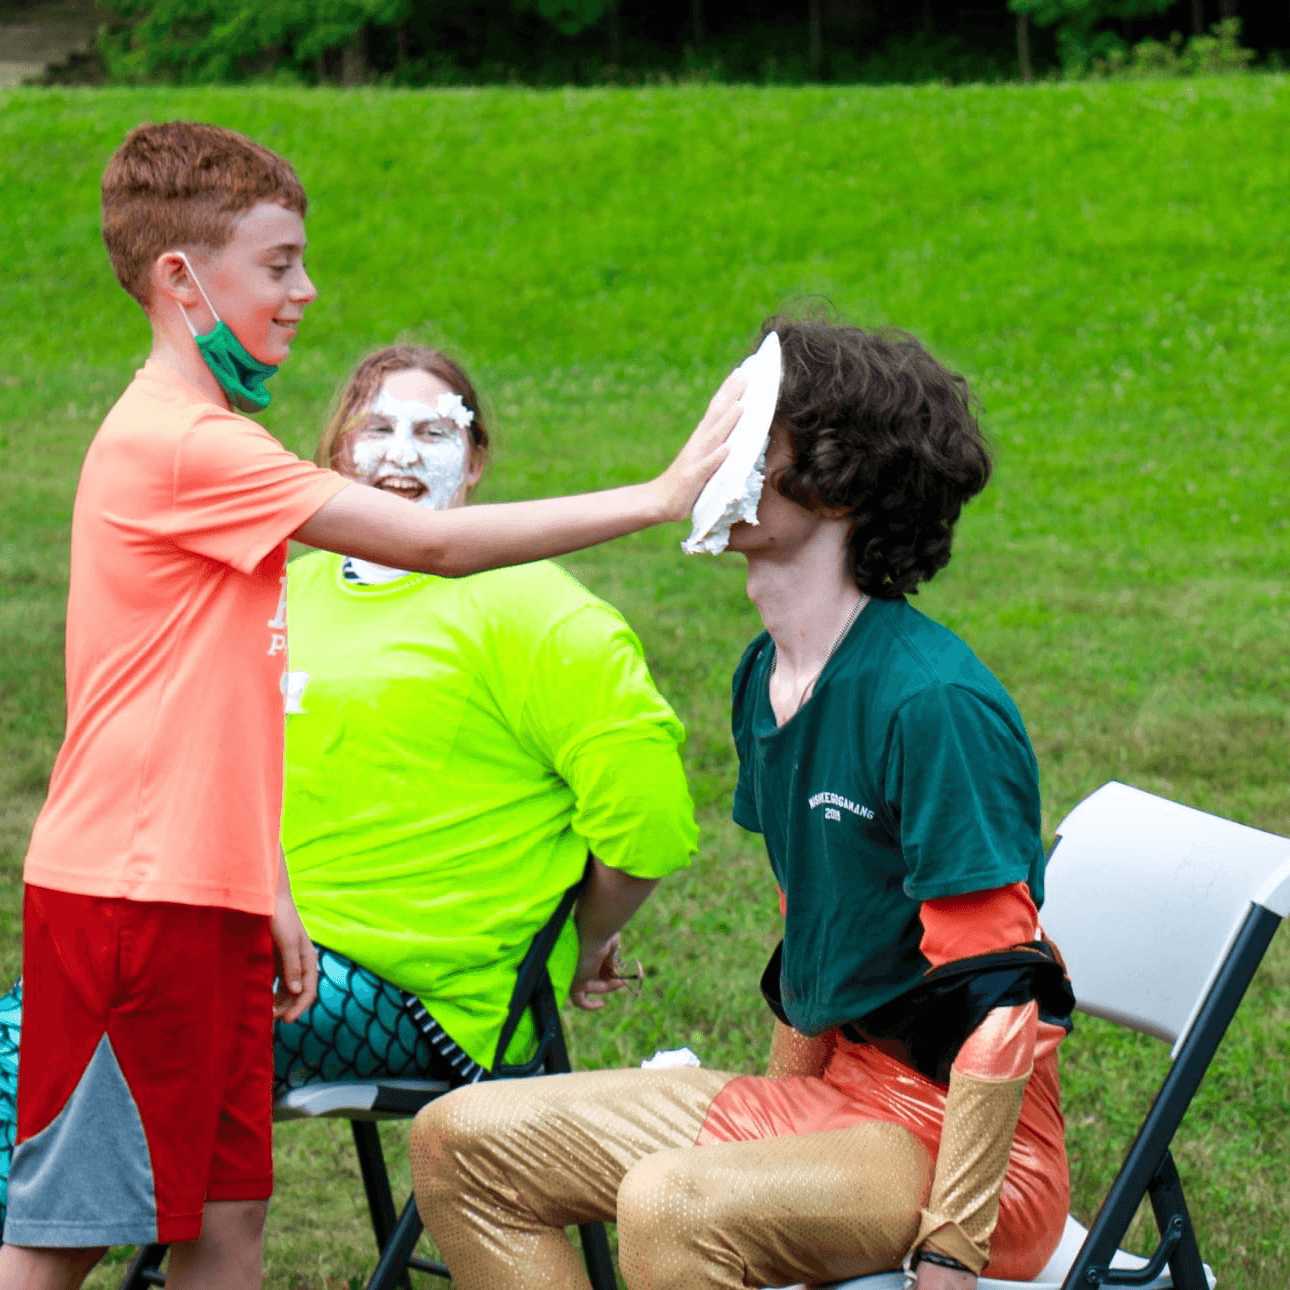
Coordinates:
x,y
501,1169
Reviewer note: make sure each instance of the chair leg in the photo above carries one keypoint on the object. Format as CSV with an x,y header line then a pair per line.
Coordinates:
x,y
380,1202
595,1249
145,1268
595,1242
376,1180
1186,1269
392,1267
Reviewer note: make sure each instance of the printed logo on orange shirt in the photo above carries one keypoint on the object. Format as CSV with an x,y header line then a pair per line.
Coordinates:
x,y
278,623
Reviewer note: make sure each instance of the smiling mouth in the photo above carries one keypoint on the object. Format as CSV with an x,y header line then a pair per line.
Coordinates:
x,y
407,486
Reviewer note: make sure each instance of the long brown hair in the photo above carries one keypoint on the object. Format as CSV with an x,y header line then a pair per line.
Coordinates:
x,y
884,432
368,377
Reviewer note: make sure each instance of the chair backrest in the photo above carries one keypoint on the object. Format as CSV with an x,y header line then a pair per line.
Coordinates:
x,y
533,993
1144,897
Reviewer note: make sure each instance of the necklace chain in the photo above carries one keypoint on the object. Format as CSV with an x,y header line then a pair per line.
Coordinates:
x,y
837,640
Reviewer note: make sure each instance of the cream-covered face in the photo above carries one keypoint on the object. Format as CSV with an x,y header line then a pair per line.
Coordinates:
x,y
414,441
783,527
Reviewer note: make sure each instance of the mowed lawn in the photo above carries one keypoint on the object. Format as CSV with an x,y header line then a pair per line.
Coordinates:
x,y
1106,262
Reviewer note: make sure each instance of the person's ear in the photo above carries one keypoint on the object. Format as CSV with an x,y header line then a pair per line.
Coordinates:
x,y
171,280
475,466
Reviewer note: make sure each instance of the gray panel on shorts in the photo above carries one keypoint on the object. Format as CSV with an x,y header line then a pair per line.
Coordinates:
x,y
86,1179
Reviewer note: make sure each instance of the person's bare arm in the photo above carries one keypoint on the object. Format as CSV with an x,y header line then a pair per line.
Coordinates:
x,y
373,525
609,899
295,960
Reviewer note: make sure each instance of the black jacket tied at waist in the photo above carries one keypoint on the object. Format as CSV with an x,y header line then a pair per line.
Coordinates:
x,y
933,1018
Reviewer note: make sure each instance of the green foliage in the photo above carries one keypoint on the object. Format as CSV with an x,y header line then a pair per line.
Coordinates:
x,y
1081,38
567,16
1108,262
205,41
221,40
1219,53
1087,48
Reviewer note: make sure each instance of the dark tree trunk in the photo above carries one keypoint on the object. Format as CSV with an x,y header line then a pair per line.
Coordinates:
x,y
401,42
615,33
1023,47
353,59
1197,17
929,18
815,47
697,25
1226,9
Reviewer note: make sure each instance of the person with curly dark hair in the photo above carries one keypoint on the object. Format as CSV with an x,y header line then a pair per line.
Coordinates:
x,y
911,1109
880,430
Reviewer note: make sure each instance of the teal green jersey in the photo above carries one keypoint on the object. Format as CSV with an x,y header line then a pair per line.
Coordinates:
x,y
455,748
907,775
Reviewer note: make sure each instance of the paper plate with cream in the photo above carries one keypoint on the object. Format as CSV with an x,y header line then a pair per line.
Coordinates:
x,y
733,492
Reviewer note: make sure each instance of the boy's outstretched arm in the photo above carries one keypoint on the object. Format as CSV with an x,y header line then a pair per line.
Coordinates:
x,y
376,526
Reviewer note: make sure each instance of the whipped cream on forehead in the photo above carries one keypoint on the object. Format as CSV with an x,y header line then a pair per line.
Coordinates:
x,y
424,445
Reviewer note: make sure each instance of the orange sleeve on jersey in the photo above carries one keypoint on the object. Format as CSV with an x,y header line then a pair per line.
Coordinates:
x,y
984,922
979,922
783,903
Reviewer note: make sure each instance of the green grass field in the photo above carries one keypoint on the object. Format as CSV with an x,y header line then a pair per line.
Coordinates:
x,y
1106,262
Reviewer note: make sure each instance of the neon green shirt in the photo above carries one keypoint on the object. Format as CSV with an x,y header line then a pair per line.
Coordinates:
x,y
455,748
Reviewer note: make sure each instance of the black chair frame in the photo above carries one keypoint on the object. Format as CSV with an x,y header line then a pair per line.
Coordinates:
x,y
1148,1169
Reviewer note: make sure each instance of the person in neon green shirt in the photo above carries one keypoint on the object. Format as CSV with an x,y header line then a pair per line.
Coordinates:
x,y
459,752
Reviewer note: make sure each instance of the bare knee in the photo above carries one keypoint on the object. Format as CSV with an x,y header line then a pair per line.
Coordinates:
x,y
227,1253
46,1269
234,1221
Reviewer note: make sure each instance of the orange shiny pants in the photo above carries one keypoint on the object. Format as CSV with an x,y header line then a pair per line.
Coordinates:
x,y
798,1179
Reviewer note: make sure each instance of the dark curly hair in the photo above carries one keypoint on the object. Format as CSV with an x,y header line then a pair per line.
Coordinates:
x,y
884,433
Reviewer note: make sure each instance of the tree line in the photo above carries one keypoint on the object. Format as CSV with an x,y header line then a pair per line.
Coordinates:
x,y
420,42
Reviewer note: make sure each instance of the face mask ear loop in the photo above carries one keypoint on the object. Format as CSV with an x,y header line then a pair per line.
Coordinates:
x,y
198,283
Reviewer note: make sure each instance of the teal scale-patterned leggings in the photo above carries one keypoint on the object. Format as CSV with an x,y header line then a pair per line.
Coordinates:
x,y
359,1027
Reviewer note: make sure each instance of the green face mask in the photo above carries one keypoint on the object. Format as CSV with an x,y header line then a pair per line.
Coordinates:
x,y
241,375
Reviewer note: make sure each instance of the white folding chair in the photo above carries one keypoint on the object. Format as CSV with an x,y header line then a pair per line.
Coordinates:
x,y
1163,914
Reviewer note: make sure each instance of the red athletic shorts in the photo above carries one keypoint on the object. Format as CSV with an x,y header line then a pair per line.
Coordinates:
x,y
146,1070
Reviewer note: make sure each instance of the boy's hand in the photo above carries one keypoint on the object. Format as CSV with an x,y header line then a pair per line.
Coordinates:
x,y
295,959
597,974
933,1277
679,486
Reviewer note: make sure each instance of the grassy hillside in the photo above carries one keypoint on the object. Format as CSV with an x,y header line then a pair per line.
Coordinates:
x,y
1106,262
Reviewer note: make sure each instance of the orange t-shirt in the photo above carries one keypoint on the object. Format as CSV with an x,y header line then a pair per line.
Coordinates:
x,y
168,786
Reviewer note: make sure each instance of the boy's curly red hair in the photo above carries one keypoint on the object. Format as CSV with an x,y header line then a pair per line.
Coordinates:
x,y
180,185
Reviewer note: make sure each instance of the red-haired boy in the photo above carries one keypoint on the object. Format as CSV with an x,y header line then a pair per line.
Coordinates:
x,y
156,900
